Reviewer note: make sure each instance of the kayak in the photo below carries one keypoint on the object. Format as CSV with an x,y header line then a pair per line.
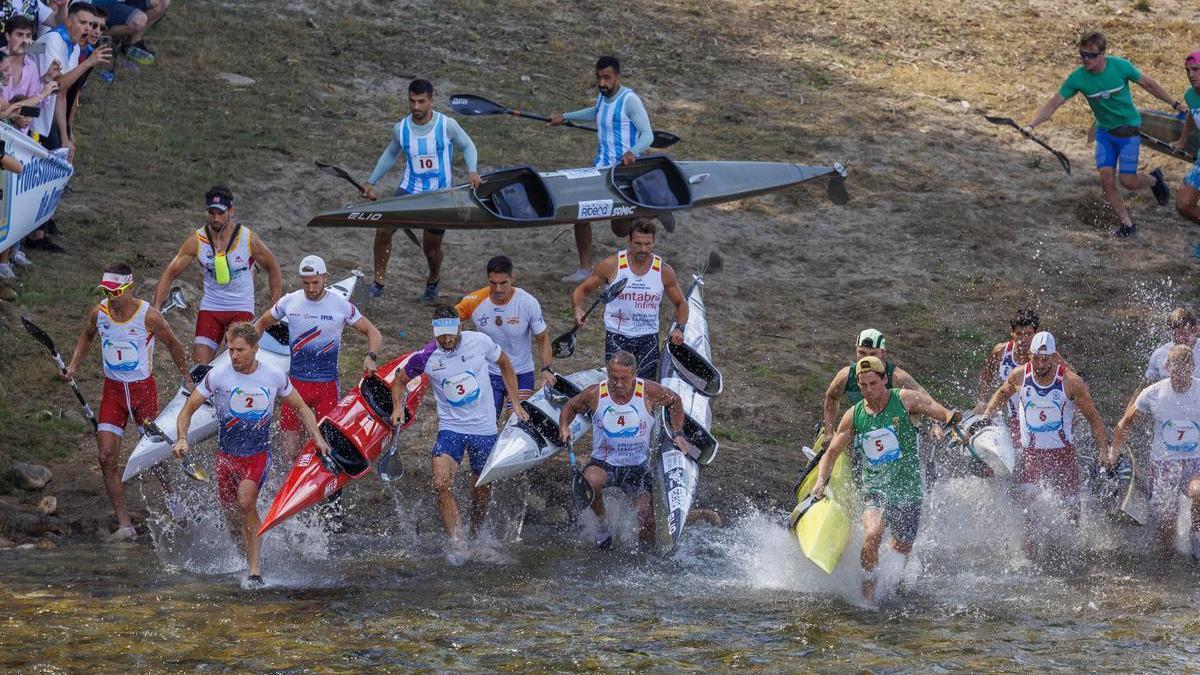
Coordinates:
x,y
687,371
525,197
987,446
523,445
823,527
357,430
273,351
1160,129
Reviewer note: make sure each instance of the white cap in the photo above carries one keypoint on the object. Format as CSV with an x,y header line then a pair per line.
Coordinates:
x,y
312,264
445,326
1043,343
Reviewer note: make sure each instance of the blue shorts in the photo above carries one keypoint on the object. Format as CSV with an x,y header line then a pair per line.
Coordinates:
x,y
119,13
643,347
1192,178
454,444
1113,149
500,394
401,192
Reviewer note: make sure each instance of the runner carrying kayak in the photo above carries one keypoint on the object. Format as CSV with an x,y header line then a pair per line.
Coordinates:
x,y
1187,199
244,392
631,319
845,384
1104,80
128,329
228,252
1006,357
426,138
456,362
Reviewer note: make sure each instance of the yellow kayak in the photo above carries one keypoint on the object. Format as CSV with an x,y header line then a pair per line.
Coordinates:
x,y
823,527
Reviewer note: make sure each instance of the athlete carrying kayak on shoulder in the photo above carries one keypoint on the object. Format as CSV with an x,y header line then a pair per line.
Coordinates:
x,y
631,319
880,429
623,132
1104,80
457,362
128,329
244,392
227,251
426,138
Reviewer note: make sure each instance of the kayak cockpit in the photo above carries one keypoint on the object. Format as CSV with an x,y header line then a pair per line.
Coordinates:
x,y
342,451
517,194
654,182
702,439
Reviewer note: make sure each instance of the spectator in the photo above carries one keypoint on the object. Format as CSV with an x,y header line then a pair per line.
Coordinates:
x,y
22,84
63,45
45,15
129,20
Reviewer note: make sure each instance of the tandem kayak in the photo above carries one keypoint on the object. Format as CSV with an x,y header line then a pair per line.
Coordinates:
x,y
525,197
688,371
357,430
273,351
1160,129
523,445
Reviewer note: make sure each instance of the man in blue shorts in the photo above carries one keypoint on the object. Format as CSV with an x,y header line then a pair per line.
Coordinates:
x,y
1104,80
1186,200
457,365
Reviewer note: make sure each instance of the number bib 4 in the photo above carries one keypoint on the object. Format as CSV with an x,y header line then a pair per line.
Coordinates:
x,y
1180,435
461,389
880,446
1041,417
120,355
621,421
427,164
249,405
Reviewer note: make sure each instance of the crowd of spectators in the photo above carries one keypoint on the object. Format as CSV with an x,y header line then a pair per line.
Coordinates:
x,y
50,50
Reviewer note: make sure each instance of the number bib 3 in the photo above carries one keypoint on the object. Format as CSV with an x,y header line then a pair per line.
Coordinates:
x,y
461,389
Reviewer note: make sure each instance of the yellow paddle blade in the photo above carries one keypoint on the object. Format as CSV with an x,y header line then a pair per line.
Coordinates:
x,y
194,472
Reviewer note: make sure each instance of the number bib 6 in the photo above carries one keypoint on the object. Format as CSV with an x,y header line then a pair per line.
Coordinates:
x,y
1180,435
621,421
1041,417
461,389
880,446
120,355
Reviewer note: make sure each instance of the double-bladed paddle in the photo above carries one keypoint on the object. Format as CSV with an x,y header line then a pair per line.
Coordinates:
x,y
338,171
41,336
176,300
564,345
582,494
1008,121
469,104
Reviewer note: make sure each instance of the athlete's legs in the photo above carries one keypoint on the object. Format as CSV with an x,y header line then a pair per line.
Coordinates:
x,y
480,498
383,252
1189,194
597,477
431,243
247,513
444,467
621,227
202,353
108,445
645,512
869,557
1193,493
583,243
1136,181
1108,183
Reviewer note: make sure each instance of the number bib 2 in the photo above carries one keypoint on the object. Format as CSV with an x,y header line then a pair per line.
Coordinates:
x,y
120,355
621,421
880,446
461,389
249,405
1180,435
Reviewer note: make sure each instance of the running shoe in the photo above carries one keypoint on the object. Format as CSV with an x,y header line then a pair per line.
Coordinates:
x,y
141,44
576,276
430,296
1161,192
457,553
139,56
51,227
254,582
123,534
376,289
603,537
20,259
6,271
1125,231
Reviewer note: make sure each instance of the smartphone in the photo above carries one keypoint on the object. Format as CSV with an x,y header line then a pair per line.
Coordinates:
x,y
30,111
36,48
104,42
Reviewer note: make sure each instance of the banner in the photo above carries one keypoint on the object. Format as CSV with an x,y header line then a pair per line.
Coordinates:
x,y
29,198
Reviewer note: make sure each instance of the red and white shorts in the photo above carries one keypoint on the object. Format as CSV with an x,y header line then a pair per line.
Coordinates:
x,y
211,325
233,469
320,396
1051,467
120,399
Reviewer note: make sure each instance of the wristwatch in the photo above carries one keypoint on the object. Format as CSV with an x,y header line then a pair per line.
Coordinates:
x,y
373,355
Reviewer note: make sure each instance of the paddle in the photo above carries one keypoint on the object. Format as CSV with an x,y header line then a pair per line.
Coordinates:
x,y
582,494
389,466
469,104
564,345
343,174
189,467
1008,121
1163,146
41,336
175,300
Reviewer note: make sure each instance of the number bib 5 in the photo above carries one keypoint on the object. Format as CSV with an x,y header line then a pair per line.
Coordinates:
x,y
621,421
880,446
120,355
461,389
1180,435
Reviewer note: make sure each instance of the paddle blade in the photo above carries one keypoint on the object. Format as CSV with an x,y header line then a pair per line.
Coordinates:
x,y
38,334
836,191
339,172
663,139
1007,121
176,300
469,104
564,345
582,493
714,264
613,291
389,466
194,472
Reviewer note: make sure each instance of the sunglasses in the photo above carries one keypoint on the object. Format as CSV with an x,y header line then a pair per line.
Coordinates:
x,y
1088,55
115,294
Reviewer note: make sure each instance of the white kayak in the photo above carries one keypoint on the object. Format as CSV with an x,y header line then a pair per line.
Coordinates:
x,y
689,373
152,449
523,445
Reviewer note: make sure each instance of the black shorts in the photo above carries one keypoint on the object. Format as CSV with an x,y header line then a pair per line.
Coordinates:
x,y
902,519
633,480
644,348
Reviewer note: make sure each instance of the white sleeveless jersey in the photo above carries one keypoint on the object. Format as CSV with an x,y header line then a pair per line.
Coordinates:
x,y
1008,363
1046,412
238,294
621,431
127,347
427,156
615,130
634,312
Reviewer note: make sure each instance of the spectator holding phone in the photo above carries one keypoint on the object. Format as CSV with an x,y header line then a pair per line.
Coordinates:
x,y
64,45
22,82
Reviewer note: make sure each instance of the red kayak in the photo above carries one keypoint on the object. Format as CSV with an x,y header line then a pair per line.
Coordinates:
x,y
356,430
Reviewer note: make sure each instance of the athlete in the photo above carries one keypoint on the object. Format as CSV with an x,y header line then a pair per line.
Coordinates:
x,y
623,132
427,139
455,362
631,319
244,393
510,316
1005,358
128,329
622,409
1048,393
1187,199
315,319
1173,404
1182,324
870,343
881,430
1104,80
228,252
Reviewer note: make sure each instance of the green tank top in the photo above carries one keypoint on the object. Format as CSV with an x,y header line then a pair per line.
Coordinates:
x,y
853,392
888,443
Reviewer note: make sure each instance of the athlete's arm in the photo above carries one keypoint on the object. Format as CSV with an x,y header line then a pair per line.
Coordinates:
x,y
399,382
600,276
1121,432
582,403
374,343
463,142
187,253
1077,390
510,385
263,255
547,356
921,403
833,399
184,421
1012,384
162,330
84,343
262,323
904,380
641,121
675,293
1047,110
309,419
385,162
840,440
1156,90
587,114
990,371
1189,125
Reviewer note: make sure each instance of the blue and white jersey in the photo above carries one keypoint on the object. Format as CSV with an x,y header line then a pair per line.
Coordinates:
x,y
1046,413
460,382
245,403
427,157
315,329
615,129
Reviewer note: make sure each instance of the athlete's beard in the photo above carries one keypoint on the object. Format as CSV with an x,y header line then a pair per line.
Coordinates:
x,y
606,92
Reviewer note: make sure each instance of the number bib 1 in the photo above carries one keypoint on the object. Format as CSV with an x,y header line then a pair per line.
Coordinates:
x,y
621,421
461,389
249,405
120,355
1040,417
880,446
427,164
1180,435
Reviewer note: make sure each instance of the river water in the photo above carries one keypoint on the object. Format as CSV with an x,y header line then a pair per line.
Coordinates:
x,y
739,596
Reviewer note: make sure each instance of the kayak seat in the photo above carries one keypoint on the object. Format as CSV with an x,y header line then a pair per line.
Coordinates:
x,y
702,439
653,189
545,426
198,372
343,452
696,370
378,397
512,201
281,334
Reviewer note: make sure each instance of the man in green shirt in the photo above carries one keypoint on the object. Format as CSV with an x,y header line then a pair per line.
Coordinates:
x,y
1189,193
880,428
870,343
1104,80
